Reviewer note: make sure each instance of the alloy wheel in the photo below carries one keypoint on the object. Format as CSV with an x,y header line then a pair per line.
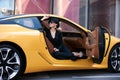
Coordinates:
x,y
9,63
115,59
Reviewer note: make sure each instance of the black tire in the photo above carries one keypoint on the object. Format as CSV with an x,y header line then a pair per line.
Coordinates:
x,y
11,63
114,59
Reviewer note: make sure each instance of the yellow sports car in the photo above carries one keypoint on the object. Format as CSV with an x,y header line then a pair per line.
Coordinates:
x,y
24,47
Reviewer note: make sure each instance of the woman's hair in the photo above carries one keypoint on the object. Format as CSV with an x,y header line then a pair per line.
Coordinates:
x,y
55,20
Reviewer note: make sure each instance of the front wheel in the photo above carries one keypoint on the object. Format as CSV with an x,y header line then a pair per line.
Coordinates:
x,y
114,59
11,62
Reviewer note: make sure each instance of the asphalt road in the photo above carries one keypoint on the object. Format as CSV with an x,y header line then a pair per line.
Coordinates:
x,y
73,75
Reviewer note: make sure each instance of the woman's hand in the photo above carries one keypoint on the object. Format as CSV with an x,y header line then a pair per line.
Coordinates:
x,y
44,18
56,50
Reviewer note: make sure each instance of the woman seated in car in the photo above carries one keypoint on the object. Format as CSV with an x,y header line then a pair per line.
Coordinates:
x,y
60,51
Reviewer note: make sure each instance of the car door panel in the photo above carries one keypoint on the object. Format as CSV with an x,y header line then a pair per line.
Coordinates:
x,y
74,41
101,37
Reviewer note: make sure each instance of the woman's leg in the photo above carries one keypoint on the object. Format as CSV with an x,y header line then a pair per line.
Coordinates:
x,y
60,55
68,53
64,53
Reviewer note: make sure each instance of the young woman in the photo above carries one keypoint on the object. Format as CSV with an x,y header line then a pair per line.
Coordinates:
x,y
60,51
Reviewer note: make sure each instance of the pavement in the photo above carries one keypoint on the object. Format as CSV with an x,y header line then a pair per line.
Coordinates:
x,y
72,75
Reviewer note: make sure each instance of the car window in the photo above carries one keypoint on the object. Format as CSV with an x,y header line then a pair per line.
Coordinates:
x,y
29,22
68,27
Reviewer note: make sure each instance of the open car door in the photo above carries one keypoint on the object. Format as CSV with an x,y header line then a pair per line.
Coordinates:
x,y
102,37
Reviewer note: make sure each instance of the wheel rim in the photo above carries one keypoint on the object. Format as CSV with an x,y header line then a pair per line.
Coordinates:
x,y
9,63
115,59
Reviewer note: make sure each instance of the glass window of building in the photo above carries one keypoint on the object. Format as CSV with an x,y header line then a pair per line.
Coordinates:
x,y
33,6
6,7
95,13
83,19
117,19
101,13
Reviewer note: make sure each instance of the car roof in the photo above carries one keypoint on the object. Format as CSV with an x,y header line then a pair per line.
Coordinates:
x,y
40,15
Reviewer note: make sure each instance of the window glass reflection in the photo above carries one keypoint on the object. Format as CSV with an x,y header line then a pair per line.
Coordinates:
x,y
6,7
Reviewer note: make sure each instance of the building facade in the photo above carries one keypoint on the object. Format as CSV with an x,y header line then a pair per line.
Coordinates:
x,y
88,13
